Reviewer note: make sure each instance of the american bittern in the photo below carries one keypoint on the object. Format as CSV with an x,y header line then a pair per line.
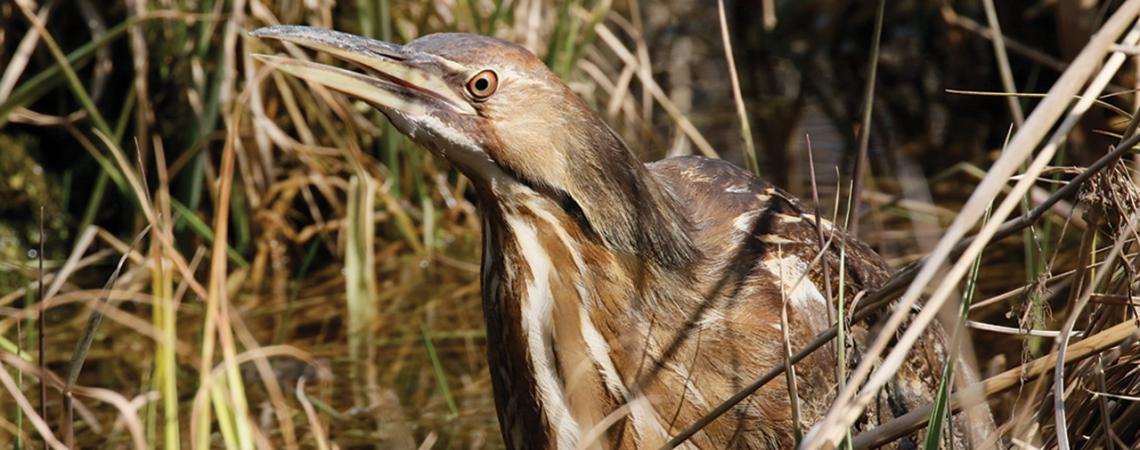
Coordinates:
x,y
622,300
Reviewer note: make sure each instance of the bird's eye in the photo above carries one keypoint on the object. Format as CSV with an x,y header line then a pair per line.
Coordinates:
x,y
483,84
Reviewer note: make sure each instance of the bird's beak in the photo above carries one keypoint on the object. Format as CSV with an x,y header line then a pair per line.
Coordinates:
x,y
397,78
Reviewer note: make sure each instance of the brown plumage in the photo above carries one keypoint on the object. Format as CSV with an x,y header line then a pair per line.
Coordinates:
x,y
623,301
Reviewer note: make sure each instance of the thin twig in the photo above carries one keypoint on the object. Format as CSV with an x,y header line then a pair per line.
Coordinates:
x,y
1003,63
839,372
1099,101
865,127
318,429
790,374
40,320
1016,331
841,309
745,129
1110,438
951,17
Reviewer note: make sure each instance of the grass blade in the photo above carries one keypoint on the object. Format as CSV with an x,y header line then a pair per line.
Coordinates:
x,y
440,376
359,274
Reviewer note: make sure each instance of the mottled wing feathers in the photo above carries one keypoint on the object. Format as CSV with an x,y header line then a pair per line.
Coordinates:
x,y
756,238
724,201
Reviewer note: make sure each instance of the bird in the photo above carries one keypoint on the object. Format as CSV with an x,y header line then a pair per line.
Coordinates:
x,y
622,300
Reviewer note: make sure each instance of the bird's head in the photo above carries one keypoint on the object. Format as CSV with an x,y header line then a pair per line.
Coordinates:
x,y
496,112
489,106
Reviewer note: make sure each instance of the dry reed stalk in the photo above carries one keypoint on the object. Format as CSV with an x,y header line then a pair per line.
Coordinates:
x,y
790,374
884,295
217,313
972,395
19,59
850,404
36,418
998,40
1066,335
319,433
128,410
741,111
683,122
859,173
269,380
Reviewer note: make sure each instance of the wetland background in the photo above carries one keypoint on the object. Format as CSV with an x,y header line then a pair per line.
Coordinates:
x,y
139,139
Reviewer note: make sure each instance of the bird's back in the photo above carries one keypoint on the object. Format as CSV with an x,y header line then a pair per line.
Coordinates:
x,y
762,248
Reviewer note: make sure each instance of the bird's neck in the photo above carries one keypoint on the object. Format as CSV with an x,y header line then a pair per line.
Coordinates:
x,y
586,169
631,210
564,308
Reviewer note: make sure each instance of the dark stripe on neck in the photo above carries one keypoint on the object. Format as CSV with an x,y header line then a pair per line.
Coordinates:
x,y
563,199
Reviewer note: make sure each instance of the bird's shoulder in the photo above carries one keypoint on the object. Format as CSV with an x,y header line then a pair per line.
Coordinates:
x,y
726,202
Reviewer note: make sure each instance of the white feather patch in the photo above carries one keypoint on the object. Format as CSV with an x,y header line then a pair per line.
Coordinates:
x,y
737,189
776,239
536,320
743,222
802,294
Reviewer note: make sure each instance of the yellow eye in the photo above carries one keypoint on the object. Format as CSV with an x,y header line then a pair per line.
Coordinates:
x,y
483,84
